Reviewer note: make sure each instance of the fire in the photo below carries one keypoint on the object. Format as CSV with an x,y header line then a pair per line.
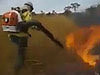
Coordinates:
x,y
83,41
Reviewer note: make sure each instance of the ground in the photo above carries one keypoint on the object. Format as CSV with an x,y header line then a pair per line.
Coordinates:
x,y
53,60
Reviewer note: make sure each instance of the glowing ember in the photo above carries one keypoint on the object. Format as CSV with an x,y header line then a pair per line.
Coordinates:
x,y
83,41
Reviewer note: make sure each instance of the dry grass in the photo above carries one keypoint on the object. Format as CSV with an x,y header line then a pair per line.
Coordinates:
x,y
40,46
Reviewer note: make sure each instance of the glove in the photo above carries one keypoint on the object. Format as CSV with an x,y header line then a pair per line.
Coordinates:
x,y
35,27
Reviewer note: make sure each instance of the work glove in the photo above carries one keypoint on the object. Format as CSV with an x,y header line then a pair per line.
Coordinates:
x,y
35,27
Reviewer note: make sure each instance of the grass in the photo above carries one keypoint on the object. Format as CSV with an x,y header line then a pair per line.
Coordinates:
x,y
40,46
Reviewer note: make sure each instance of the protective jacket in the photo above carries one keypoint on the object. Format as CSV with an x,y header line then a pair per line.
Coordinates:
x,y
22,27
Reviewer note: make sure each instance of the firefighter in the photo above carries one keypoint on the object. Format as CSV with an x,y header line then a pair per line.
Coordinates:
x,y
21,38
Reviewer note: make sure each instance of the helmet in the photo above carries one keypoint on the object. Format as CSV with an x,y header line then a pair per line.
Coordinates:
x,y
30,5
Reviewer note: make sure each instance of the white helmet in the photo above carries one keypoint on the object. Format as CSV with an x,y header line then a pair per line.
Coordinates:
x,y
29,4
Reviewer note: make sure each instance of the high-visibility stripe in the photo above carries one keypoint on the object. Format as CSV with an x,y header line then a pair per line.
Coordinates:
x,y
20,34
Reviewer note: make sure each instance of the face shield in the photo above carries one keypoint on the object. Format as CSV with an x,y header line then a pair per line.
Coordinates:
x,y
25,8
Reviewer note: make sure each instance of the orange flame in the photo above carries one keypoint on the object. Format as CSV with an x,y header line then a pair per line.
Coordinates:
x,y
83,41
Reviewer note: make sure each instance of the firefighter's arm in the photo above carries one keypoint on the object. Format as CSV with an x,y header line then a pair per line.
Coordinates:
x,y
34,24
31,24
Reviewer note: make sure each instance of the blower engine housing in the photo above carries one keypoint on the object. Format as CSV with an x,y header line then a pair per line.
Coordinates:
x,y
9,21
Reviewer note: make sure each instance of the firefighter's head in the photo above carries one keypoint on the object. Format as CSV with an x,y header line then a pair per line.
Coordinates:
x,y
28,7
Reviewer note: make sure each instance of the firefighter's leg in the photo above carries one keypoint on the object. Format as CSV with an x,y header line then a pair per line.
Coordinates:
x,y
21,54
20,59
14,39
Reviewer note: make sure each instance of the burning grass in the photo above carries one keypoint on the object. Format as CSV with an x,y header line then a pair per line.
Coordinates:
x,y
83,42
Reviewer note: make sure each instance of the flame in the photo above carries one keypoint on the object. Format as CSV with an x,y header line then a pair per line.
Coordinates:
x,y
82,42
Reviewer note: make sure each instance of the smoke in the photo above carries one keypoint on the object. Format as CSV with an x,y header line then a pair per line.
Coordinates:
x,y
91,16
